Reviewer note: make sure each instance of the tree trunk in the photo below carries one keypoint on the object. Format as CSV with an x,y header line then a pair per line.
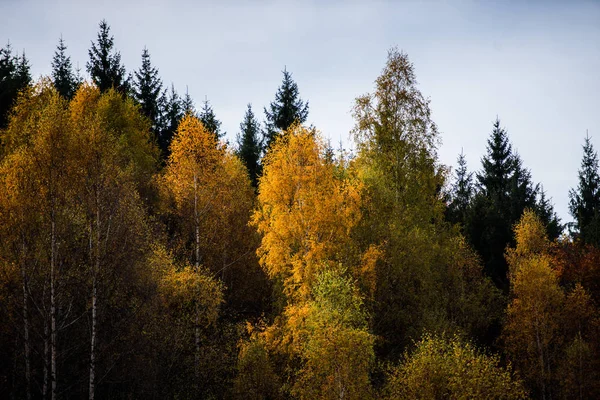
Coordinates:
x,y
95,270
46,367
197,266
542,362
53,310
26,327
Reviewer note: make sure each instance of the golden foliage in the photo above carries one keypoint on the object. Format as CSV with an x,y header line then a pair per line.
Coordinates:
x,y
441,368
305,211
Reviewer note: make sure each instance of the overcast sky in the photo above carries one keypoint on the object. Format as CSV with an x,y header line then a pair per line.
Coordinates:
x,y
536,65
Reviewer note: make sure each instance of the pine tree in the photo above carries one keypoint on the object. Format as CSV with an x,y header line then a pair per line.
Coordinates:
x,y
173,113
209,120
104,65
462,192
14,76
147,91
287,108
64,78
584,202
249,145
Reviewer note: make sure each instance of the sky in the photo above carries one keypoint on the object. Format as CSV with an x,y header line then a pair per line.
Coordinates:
x,y
533,64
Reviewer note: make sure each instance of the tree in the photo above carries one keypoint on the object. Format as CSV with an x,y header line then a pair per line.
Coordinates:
x,y
36,181
147,91
104,65
335,345
307,206
451,368
287,108
14,77
187,104
115,159
189,303
208,199
461,193
64,79
584,202
532,330
210,121
305,211
424,262
545,210
172,114
249,145
505,189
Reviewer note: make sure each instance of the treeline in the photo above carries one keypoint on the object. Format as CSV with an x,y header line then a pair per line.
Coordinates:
x,y
141,256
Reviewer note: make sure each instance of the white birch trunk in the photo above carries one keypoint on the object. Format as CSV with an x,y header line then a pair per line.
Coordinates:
x,y
53,372
95,268
26,327
197,265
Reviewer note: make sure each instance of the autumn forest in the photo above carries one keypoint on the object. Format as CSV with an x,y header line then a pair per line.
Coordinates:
x,y
143,256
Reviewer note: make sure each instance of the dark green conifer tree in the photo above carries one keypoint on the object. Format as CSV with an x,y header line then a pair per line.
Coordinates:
x,y
147,91
172,113
461,194
187,104
287,108
522,192
14,76
545,210
249,145
505,189
104,65
584,202
209,120
489,226
64,78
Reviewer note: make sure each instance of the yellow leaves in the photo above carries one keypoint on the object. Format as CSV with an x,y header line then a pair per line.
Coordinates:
x,y
330,336
185,289
256,376
193,164
530,235
454,369
211,195
531,332
305,211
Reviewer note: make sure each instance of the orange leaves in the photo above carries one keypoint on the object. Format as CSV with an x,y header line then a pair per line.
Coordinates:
x,y
194,158
305,211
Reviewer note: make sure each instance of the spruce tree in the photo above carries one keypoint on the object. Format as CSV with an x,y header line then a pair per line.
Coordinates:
x,y
104,65
172,113
522,192
497,165
584,202
64,78
504,191
461,193
545,210
14,77
287,108
249,145
209,120
187,104
147,91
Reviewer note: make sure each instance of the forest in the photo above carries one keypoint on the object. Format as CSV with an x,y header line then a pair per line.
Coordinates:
x,y
144,256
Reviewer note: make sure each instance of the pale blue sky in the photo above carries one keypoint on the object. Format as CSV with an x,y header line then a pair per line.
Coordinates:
x,y
535,65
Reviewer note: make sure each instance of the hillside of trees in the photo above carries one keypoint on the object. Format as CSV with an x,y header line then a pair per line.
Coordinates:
x,y
143,256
